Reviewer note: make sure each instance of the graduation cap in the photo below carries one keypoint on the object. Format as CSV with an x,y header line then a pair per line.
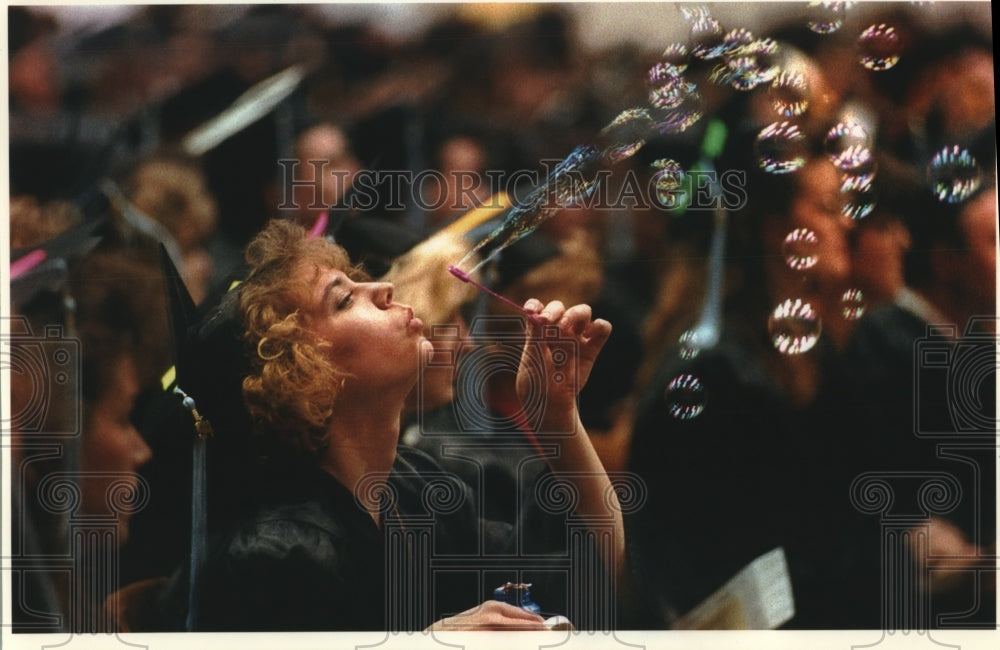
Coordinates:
x,y
44,270
374,243
208,380
252,105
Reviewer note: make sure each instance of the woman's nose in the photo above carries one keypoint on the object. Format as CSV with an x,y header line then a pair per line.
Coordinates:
x,y
381,293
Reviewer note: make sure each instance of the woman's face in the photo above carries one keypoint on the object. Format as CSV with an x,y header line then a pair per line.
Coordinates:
x,y
366,335
112,449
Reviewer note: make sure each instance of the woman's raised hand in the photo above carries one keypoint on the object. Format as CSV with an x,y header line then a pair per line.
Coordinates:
x,y
558,355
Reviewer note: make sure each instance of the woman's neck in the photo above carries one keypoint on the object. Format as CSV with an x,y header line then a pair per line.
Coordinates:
x,y
362,444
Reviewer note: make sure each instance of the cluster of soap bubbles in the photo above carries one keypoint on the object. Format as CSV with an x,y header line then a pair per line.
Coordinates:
x,y
849,147
745,62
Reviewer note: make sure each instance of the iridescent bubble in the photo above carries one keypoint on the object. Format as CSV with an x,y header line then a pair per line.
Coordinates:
x,y
752,64
790,93
765,51
723,75
682,117
826,17
625,134
689,345
662,73
573,180
668,181
954,174
675,57
852,304
863,174
781,148
685,397
878,47
848,146
859,196
801,249
794,326
737,38
707,41
670,93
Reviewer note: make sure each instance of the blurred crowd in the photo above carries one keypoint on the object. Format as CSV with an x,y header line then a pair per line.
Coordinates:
x,y
810,366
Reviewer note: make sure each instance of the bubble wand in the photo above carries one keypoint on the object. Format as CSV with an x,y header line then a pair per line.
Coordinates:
x,y
464,277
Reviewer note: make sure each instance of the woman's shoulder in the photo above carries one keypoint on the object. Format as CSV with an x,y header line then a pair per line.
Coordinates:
x,y
316,520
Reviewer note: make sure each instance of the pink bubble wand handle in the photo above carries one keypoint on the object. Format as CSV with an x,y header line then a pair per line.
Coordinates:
x,y
464,277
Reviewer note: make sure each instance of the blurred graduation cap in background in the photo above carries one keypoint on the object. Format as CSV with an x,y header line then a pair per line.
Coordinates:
x,y
40,271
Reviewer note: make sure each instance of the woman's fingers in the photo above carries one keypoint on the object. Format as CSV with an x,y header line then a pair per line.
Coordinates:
x,y
491,615
575,319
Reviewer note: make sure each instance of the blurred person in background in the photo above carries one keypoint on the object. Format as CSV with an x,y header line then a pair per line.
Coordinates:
x,y
109,303
462,185
739,428
172,190
904,416
321,170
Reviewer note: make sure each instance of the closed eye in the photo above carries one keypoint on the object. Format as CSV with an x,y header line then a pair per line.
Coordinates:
x,y
344,302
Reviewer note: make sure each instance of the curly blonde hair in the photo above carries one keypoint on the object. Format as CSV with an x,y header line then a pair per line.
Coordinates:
x,y
292,388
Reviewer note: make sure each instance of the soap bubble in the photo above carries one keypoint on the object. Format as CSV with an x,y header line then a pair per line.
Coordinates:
x,y
848,146
879,47
801,249
573,180
723,75
676,57
859,196
862,174
668,181
781,148
737,38
953,174
690,345
707,41
670,93
826,17
750,65
626,134
790,93
852,304
794,326
682,117
685,397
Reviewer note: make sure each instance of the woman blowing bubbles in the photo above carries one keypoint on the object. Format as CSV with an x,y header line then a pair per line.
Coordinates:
x,y
332,543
